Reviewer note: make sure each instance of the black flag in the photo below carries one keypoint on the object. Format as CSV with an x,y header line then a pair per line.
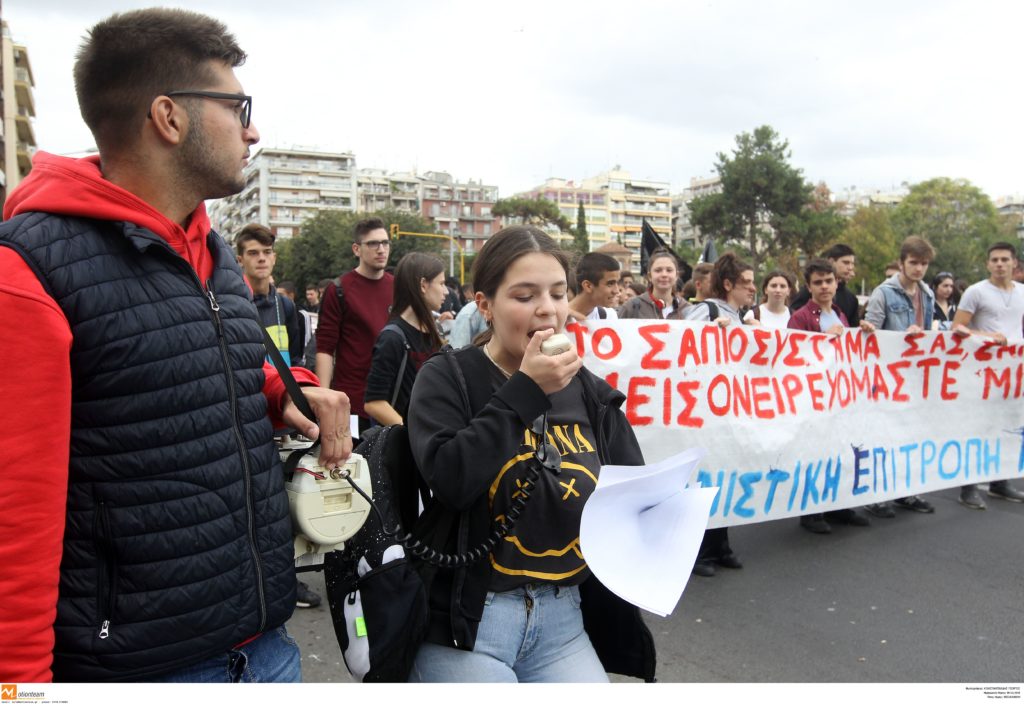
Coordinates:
x,y
710,254
650,241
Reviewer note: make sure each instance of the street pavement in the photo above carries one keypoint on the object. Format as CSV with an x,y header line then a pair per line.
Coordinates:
x,y
934,598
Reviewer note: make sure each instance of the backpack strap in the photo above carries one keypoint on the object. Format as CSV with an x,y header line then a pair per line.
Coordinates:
x,y
712,310
470,362
393,327
601,312
757,312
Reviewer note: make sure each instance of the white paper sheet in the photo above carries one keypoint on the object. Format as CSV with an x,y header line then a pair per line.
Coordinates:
x,y
642,527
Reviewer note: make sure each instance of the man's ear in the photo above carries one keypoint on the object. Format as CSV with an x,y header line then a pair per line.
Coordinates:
x,y
170,120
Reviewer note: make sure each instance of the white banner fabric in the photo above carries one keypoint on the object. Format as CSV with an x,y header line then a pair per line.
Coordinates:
x,y
797,423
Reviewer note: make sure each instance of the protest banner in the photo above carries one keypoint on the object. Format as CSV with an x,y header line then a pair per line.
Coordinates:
x,y
797,422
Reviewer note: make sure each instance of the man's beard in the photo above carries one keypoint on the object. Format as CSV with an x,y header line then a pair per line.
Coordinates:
x,y
199,167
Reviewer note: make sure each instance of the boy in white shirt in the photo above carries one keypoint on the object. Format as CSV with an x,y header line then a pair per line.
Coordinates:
x,y
993,308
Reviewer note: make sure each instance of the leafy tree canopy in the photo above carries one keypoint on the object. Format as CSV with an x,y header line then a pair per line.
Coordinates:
x,y
540,212
763,199
323,248
870,233
957,218
766,210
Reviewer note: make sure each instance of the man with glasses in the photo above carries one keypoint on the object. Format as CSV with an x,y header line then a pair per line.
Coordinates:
x,y
353,309
152,540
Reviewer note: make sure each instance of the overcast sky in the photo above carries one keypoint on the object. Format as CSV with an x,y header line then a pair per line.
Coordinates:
x,y
868,94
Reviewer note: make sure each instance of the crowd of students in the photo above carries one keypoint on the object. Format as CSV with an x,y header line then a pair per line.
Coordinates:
x,y
160,543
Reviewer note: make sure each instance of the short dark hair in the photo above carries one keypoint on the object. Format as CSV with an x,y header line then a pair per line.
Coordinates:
x,y
323,283
818,266
1001,245
311,287
593,266
915,246
894,264
254,232
838,251
365,227
702,271
130,58
288,286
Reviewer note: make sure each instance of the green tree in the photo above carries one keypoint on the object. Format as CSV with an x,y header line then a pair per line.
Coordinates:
x,y
323,248
541,212
688,253
957,218
870,233
808,231
581,240
761,194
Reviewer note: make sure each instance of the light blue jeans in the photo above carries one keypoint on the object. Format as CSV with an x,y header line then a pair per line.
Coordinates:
x,y
531,634
273,657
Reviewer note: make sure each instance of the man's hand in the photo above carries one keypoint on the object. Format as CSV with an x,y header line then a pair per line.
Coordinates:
x,y
836,330
332,409
915,330
866,326
447,315
722,321
961,330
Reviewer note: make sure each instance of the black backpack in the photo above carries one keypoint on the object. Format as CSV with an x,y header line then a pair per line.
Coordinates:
x,y
377,586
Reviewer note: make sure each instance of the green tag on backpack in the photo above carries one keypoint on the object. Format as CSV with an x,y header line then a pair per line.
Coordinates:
x,y
360,627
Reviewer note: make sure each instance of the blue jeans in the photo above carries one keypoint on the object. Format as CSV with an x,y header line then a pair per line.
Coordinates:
x,y
531,634
273,657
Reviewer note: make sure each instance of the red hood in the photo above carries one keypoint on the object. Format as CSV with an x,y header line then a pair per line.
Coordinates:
x,y
76,187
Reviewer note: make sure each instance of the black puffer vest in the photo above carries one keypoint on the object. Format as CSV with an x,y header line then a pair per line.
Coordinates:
x,y
177,542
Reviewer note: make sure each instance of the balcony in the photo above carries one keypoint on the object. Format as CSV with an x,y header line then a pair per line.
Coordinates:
x,y
25,132
25,153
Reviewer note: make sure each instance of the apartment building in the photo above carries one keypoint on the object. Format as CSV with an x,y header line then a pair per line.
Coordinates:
x,y
462,210
630,201
284,187
568,197
686,233
18,107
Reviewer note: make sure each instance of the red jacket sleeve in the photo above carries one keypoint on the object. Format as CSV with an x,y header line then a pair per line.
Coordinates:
x,y
36,389
276,393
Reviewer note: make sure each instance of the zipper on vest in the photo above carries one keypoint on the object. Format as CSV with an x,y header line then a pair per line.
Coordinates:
x,y
106,587
243,453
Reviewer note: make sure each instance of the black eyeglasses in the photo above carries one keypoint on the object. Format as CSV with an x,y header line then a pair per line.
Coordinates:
x,y
375,244
244,116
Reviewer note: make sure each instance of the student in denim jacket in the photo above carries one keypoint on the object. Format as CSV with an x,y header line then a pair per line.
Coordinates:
x,y
904,302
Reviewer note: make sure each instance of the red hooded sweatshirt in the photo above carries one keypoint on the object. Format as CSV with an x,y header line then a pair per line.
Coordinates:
x,y
36,388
